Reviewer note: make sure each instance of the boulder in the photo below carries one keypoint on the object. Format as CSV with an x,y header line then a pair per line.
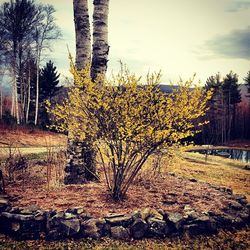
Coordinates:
x,y
29,209
70,227
235,205
139,228
120,233
157,228
19,217
150,213
175,221
206,224
119,219
95,228
242,199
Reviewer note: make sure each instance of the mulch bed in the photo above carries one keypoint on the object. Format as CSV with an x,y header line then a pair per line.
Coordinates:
x,y
169,193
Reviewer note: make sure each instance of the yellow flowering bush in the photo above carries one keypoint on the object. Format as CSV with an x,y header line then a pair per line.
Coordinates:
x,y
128,121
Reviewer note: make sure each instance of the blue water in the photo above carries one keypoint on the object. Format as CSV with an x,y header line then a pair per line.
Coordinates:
x,y
236,154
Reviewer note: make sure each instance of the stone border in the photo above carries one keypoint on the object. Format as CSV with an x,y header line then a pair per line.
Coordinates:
x,y
25,223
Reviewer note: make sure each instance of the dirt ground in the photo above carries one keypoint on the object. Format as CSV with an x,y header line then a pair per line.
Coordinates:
x,y
166,192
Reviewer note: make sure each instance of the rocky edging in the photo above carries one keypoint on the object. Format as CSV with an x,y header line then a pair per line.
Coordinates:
x,y
24,223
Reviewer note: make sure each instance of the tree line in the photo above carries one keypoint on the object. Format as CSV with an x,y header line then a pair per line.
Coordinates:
x,y
227,119
27,30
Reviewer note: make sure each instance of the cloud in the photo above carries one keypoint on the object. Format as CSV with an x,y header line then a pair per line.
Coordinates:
x,y
233,45
238,5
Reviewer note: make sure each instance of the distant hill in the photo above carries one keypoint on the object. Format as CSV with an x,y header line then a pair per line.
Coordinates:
x,y
167,88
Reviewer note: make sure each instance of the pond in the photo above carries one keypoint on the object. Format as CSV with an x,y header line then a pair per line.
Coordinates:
x,y
231,153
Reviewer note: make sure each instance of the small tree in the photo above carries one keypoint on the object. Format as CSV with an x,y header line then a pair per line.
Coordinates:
x,y
129,121
48,88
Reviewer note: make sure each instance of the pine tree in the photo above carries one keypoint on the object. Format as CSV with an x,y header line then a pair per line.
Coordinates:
x,y
232,97
48,88
247,81
49,80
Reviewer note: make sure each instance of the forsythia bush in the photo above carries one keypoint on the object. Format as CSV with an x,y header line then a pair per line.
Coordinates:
x,y
128,121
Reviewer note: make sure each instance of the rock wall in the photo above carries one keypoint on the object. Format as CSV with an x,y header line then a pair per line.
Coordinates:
x,y
31,222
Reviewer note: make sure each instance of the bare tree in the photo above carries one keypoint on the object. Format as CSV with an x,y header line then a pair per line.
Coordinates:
x,y
46,31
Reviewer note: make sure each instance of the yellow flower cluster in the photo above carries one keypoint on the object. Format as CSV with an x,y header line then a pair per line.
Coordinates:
x,y
130,120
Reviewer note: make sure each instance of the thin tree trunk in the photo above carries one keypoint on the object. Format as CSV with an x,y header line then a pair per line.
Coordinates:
x,y
16,100
28,99
100,48
37,92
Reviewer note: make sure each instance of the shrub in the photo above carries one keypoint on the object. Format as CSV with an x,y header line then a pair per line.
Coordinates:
x,y
128,121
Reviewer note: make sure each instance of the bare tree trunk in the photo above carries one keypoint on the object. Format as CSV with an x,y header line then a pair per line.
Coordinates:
x,y
12,100
100,38
16,100
28,99
37,90
38,48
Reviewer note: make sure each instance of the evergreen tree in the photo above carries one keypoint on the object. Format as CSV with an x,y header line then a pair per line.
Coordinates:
x,y
213,133
247,81
232,97
49,80
48,88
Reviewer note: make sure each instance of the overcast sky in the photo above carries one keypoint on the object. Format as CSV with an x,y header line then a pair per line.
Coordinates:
x,y
179,37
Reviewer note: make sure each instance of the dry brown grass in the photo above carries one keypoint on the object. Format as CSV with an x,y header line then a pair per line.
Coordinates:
x,y
217,171
29,137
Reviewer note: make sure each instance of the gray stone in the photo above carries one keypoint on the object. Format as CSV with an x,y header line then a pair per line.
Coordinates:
x,y
206,224
158,227
119,219
39,215
175,220
242,199
70,227
151,213
29,209
20,217
120,233
14,210
139,228
75,210
192,229
85,216
69,216
235,205
90,229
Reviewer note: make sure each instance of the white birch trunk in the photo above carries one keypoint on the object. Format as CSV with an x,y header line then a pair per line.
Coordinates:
x,y
16,100
82,31
28,99
100,48
37,91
